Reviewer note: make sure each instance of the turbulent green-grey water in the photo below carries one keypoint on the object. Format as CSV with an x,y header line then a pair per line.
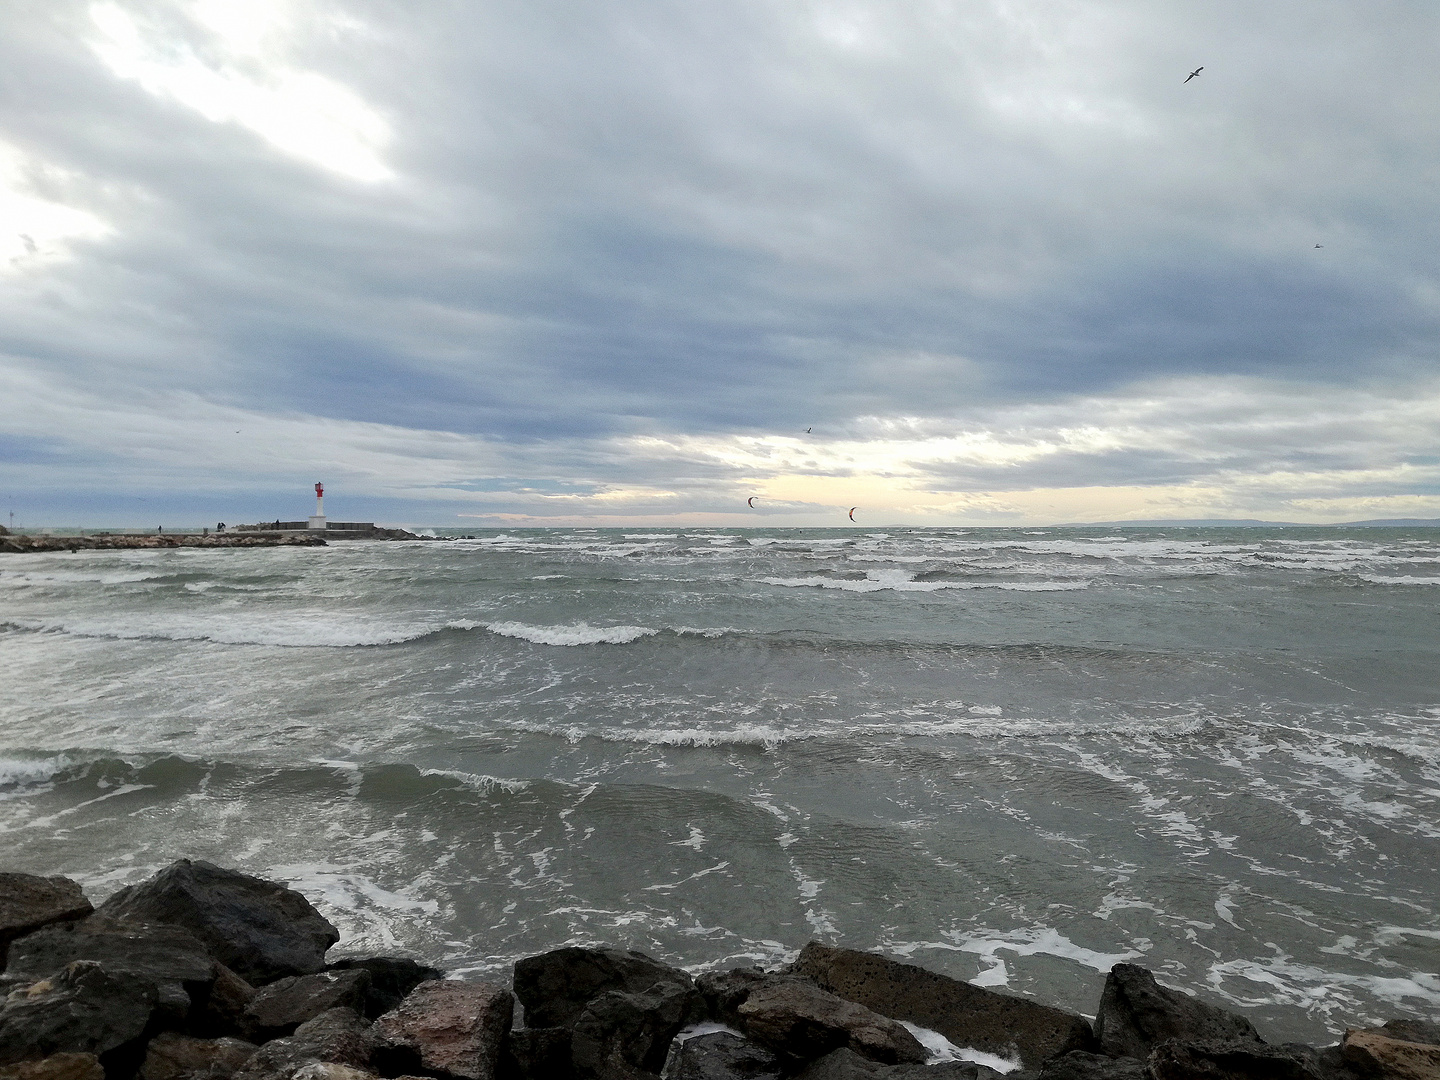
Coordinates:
x,y
1016,756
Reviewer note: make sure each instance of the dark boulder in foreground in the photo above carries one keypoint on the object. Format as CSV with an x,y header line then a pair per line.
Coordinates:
x,y
181,1057
82,1009
720,1055
338,1037
169,958
28,902
621,1032
391,979
282,1006
260,930
848,1065
966,1015
1137,1013
801,1022
555,987
1082,1065
456,1029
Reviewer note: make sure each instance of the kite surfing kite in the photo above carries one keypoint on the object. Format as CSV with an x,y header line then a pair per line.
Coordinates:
x,y
750,502
852,512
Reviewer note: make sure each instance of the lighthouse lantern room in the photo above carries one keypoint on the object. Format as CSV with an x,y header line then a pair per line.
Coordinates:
x,y
317,520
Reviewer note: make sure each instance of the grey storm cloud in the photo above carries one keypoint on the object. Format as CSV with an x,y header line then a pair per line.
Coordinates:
x,y
557,258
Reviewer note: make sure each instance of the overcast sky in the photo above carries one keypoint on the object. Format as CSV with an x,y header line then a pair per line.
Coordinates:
x,y
503,263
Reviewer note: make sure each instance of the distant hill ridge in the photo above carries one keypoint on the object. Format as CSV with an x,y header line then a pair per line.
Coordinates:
x,y
1158,523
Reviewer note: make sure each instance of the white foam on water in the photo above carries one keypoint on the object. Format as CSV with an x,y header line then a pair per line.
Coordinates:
x,y
651,536
940,1049
573,634
25,773
1318,992
480,782
1377,579
903,581
1026,941
362,910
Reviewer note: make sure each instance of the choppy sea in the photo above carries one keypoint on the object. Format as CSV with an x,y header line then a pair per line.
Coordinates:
x,y
1015,756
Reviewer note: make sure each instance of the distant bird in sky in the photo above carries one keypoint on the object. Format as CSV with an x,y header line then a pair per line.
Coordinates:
x,y
807,431
1193,74
1319,245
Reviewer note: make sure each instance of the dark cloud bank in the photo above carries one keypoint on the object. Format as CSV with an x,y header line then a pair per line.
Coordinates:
x,y
608,262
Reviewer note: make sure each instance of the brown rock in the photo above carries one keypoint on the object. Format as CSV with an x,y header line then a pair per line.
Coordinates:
x,y
28,902
966,1015
56,1067
725,991
179,1057
457,1028
1417,1031
1370,1051
802,1022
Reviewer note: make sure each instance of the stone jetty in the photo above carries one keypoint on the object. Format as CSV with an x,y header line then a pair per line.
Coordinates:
x,y
205,973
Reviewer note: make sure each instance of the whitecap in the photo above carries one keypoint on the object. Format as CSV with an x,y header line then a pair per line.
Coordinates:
x,y
1377,579
940,1049
572,634
903,581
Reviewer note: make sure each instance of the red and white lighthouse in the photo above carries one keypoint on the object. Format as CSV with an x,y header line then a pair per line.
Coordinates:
x,y
317,520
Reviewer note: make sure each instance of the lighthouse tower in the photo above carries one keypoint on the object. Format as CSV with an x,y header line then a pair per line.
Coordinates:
x,y
317,520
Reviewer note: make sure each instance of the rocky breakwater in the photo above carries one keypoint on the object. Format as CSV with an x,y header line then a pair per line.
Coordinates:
x,y
204,973
18,544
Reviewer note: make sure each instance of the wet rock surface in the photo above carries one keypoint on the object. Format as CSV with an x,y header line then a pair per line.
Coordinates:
x,y
280,1007
1083,1065
391,979
1380,1052
555,987
28,902
802,1022
456,1029
619,1032
340,1037
966,1015
170,958
260,930
171,1056
721,1055
1137,1013
82,1009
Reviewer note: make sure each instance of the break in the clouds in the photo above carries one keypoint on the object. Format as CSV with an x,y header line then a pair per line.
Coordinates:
x,y
569,262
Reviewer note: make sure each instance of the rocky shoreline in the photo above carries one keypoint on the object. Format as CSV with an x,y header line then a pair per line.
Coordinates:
x,y
17,544
204,973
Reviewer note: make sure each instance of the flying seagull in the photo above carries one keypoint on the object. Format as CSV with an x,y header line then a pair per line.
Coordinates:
x,y
1193,74
807,431
1319,245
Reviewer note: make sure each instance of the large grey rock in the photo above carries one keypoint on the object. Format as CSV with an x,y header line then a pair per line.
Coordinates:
x,y
1137,1013
620,1033
171,1056
82,1009
1243,1059
340,1036
28,902
720,1055
537,1054
456,1028
258,929
556,986
1082,1065
56,1067
966,1015
847,1065
280,1007
801,1022
1374,1052
725,991
391,978
170,957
